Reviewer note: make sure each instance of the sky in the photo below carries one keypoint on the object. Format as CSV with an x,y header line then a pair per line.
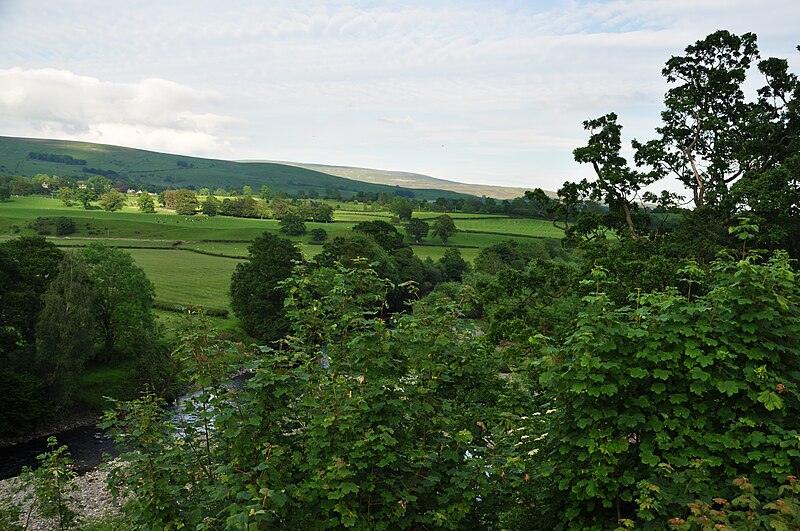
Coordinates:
x,y
480,92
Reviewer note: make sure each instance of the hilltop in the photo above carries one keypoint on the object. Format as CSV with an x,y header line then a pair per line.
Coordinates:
x,y
141,168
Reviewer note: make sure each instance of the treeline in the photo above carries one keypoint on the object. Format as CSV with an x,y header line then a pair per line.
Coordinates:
x,y
63,312
60,159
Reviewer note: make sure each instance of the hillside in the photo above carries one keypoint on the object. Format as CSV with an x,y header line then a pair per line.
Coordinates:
x,y
410,180
136,166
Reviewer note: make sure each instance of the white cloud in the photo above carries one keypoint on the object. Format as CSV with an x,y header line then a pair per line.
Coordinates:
x,y
151,114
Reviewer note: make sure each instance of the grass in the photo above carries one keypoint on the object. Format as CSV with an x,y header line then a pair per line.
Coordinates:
x,y
183,277
162,243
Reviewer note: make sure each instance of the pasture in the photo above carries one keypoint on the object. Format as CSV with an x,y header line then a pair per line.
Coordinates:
x,y
178,252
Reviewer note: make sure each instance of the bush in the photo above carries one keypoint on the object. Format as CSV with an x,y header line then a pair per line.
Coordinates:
x,y
318,235
64,226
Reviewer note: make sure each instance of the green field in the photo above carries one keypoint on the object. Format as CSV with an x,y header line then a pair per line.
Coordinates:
x,y
184,277
163,243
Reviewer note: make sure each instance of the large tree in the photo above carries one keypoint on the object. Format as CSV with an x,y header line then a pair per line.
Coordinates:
x,y
66,328
124,302
256,297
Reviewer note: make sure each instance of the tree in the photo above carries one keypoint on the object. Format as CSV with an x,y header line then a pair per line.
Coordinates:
x,y
265,193
443,227
65,194
256,294
112,200
452,265
319,235
146,203
384,234
417,229
211,206
705,130
65,329
124,303
247,190
85,196
185,202
292,224
401,208
99,184
617,185
674,394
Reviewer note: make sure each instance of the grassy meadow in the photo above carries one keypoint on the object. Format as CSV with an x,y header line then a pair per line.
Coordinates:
x,y
190,259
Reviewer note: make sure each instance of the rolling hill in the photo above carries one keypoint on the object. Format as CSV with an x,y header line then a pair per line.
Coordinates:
x,y
410,180
142,168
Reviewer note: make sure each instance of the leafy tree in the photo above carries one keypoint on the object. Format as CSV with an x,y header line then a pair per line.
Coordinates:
x,y
185,202
124,302
211,206
66,328
452,265
146,203
704,129
99,184
322,213
85,196
417,229
385,234
319,235
5,192
265,193
256,294
356,421
65,195
292,224
401,208
443,227
646,391
112,200
247,190
64,226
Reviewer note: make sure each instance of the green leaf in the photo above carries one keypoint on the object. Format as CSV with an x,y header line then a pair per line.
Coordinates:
x,y
770,400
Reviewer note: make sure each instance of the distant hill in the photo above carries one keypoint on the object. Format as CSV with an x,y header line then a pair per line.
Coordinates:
x,y
411,180
136,166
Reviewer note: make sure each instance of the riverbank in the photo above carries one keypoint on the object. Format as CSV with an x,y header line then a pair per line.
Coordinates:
x,y
91,500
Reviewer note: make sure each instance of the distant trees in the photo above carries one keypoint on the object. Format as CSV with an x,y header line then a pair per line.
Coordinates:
x,y
401,208
443,227
417,229
293,224
112,200
146,203
211,206
85,196
256,297
65,195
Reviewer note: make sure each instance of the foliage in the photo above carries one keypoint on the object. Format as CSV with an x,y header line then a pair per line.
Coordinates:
x,y
383,233
85,195
64,226
452,266
256,294
52,483
671,378
319,235
745,511
354,421
211,206
65,329
123,304
145,203
417,229
443,227
292,224
65,195
112,200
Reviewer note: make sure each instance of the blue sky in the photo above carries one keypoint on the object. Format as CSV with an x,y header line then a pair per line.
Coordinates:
x,y
486,92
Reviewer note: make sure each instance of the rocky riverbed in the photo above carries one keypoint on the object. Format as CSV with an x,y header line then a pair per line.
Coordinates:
x,y
91,500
